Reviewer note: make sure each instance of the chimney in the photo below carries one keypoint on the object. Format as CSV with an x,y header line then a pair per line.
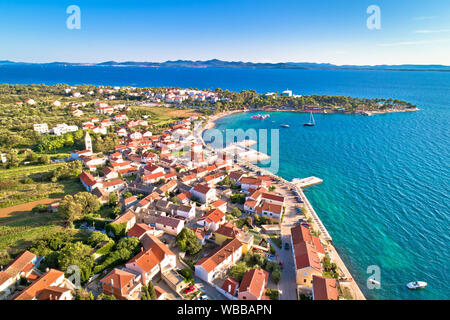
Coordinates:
x,y
112,282
229,288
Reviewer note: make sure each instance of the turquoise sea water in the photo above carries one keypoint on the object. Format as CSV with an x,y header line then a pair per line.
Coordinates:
x,y
385,196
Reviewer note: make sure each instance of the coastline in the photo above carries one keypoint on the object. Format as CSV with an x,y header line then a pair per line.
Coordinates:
x,y
316,222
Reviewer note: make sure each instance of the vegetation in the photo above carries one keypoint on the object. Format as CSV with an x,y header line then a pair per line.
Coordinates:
x,y
238,198
273,294
148,292
255,261
188,242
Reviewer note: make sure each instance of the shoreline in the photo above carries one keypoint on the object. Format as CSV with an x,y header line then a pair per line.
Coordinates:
x,y
317,223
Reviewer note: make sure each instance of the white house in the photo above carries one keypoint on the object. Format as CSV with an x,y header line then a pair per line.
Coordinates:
x,y
204,193
187,212
212,220
217,264
172,226
155,257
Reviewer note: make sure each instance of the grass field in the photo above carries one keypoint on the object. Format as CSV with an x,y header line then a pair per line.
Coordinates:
x,y
18,231
25,184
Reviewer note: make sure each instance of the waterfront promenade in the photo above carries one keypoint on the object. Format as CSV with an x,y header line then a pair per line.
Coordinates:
x,y
317,224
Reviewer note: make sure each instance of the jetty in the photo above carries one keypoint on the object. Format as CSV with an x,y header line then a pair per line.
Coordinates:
x,y
307,182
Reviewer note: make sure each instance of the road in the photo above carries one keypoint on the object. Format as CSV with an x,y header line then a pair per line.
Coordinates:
x,y
287,285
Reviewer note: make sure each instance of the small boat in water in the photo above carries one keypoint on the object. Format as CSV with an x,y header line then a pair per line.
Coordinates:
x,y
416,285
261,116
285,126
311,122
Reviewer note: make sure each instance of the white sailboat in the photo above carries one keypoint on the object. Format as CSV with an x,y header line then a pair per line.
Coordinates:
x,y
311,122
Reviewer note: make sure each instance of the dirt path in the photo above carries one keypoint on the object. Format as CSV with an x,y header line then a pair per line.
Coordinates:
x,y
25,207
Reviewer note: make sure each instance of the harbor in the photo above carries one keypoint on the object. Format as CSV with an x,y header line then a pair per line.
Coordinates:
x,y
297,185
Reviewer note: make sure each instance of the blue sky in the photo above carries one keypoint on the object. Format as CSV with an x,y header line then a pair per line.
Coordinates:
x,y
414,31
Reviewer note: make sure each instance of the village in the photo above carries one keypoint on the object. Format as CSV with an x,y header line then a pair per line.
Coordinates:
x,y
211,226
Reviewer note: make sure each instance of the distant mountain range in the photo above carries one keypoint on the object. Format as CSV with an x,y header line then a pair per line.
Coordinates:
x,y
214,63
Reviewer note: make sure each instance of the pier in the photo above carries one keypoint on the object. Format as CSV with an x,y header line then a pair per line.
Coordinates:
x,y
307,182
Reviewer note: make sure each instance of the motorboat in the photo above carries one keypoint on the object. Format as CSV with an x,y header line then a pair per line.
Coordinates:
x,y
416,285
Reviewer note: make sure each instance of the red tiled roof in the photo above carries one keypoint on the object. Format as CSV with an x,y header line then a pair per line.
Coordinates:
x,y
230,285
120,278
42,283
229,230
325,288
306,256
201,188
300,234
210,262
127,216
146,260
254,281
214,215
138,230
87,178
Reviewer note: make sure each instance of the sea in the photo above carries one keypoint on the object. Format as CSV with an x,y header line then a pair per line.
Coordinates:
x,y
385,196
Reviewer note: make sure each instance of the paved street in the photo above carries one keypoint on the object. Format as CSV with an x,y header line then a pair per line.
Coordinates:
x,y
287,285
210,291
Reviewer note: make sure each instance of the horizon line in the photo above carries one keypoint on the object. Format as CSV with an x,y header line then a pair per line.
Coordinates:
x,y
232,61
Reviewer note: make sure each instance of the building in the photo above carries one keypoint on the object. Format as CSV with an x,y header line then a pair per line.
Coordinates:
x,y
139,229
21,267
88,142
122,284
306,259
220,204
230,286
42,128
229,231
325,288
203,193
217,264
89,182
155,257
212,219
187,212
269,210
172,226
253,285
128,218
51,286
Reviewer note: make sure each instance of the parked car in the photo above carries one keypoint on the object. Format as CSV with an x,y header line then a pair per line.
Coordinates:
x,y
286,246
189,289
204,297
281,264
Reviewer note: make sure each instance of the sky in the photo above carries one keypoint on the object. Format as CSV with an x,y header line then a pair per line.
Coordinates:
x,y
323,31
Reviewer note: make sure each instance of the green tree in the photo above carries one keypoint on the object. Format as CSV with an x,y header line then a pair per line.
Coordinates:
x,y
188,242
69,209
77,254
236,212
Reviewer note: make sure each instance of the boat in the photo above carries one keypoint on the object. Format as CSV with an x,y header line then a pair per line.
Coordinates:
x,y
285,126
260,116
416,285
311,122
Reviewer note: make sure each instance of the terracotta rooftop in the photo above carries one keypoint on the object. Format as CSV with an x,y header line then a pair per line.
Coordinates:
x,y
254,281
210,262
325,288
